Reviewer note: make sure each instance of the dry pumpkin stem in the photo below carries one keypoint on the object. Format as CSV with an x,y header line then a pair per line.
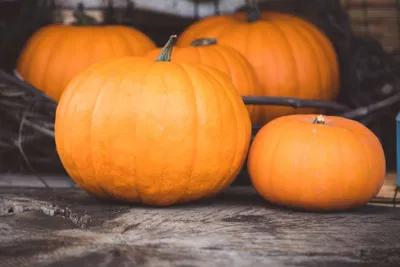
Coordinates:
x,y
253,12
165,54
319,120
204,42
82,18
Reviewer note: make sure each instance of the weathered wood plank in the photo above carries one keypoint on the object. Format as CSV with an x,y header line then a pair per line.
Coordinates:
x,y
66,227
385,196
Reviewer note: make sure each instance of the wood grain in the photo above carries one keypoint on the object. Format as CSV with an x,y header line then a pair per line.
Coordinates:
x,y
385,195
67,227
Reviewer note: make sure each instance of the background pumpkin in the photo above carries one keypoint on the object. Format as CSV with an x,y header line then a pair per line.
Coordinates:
x,y
223,58
323,164
212,26
152,132
56,53
290,56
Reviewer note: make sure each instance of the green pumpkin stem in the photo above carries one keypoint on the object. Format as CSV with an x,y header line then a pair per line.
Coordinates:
x,y
253,13
204,42
82,18
165,54
319,120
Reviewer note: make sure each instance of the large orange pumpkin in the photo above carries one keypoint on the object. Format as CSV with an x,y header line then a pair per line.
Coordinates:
x,y
56,53
154,132
223,58
320,163
290,56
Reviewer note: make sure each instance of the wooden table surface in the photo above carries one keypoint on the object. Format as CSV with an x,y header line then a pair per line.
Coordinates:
x,y
67,227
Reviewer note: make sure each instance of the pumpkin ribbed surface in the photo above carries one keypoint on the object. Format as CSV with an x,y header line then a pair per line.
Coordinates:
x,y
294,161
225,59
56,53
153,132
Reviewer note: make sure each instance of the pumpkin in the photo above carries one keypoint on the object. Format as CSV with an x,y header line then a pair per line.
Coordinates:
x,y
56,53
223,58
316,163
290,56
153,132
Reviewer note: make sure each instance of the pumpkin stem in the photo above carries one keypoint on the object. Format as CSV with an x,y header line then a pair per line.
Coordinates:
x,y
319,120
204,42
165,54
81,17
253,13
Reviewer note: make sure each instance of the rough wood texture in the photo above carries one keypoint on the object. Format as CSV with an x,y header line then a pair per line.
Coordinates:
x,y
66,227
376,18
386,195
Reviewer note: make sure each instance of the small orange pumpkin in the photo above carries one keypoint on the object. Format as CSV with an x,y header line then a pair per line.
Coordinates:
x,y
223,58
155,132
56,53
322,163
290,56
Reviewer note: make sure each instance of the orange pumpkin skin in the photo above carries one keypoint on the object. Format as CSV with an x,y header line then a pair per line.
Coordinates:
x,y
212,26
225,59
56,53
157,133
290,56
296,163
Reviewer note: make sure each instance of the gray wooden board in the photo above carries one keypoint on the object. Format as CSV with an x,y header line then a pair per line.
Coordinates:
x,y
67,227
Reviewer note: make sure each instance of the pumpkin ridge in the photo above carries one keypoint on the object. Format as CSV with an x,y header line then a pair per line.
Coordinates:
x,y
291,55
125,75
122,37
33,53
89,132
228,177
27,54
317,44
328,51
138,37
366,159
101,94
222,54
274,91
374,140
242,61
218,97
56,39
143,83
111,36
48,82
110,44
184,70
341,152
280,137
61,140
65,78
89,142
322,89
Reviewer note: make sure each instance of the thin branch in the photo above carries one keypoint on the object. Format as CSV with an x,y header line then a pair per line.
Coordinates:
x,y
19,145
293,102
363,111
